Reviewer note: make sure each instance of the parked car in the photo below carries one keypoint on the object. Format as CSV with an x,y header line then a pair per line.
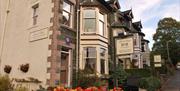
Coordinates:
x,y
178,65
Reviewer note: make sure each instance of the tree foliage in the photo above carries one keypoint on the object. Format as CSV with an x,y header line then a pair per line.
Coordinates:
x,y
150,83
119,74
86,79
167,32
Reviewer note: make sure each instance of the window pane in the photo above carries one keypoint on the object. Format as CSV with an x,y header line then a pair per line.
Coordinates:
x,y
66,18
102,52
89,25
101,28
66,7
101,17
90,65
89,14
102,66
90,52
35,13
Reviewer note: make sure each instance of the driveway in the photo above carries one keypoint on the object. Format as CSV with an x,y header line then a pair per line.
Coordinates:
x,y
173,83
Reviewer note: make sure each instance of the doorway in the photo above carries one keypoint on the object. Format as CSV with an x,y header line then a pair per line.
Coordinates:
x,y
65,71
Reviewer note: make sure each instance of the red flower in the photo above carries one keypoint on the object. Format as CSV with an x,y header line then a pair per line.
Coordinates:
x,y
79,89
117,89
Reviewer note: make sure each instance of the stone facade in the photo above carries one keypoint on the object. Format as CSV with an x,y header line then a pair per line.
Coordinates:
x,y
123,28
26,42
56,38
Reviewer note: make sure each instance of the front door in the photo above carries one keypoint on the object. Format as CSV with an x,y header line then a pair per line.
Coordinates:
x,y
65,66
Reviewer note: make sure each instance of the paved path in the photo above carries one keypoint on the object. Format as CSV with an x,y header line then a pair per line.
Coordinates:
x,y
173,83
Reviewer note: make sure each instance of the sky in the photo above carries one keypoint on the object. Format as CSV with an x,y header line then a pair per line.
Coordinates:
x,y
149,12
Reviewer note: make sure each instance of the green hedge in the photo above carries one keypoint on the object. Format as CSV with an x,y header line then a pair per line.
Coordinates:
x,y
150,83
139,72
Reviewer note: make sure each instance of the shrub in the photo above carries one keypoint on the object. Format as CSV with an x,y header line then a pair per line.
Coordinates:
x,y
120,74
7,69
85,80
150,83
21,89
24,67
5,84
143,83
139,72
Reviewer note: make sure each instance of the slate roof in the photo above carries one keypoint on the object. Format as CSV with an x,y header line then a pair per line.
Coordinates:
x,y
114,2
137,25
145,40
94,3
128,14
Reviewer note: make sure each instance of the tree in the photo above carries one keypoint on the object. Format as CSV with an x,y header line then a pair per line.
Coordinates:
x,y
119,74
167,32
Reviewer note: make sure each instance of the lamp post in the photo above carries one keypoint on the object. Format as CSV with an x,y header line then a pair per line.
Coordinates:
x,y
114,59
167,45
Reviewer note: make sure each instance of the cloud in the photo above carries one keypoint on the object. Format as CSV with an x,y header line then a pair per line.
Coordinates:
x,y
172,10
150,12
140,7
149,32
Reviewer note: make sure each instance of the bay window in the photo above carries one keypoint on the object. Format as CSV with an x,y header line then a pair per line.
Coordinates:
x,y
93,21
135,39
102,60
101,24
90,59
89,21
67,14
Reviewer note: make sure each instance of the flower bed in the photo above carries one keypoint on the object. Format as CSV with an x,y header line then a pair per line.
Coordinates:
x,y
87,89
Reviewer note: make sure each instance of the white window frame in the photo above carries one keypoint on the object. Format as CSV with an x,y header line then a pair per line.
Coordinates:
x,y
85,57
35,14
84,18
104,59
100,18
70,13
102,21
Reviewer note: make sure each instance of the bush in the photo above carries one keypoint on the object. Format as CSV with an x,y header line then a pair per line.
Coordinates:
x,y
5,84
86,80
120,74
150,83
139,72
21,89
143,83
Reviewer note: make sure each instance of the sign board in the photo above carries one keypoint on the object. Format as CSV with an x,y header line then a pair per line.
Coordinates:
x,y
157,58
157,61
157,65
124,56
39,34
124,46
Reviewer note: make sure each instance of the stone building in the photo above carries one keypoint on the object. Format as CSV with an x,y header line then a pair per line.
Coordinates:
x,y
42,35
94,34
45,41
129,40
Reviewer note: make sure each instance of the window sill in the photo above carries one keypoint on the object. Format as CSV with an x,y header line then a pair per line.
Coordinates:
x,y
68,27
89,33
94,34
33,26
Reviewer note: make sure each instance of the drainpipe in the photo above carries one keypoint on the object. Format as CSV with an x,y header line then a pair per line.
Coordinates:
x,y
4,32
77,37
